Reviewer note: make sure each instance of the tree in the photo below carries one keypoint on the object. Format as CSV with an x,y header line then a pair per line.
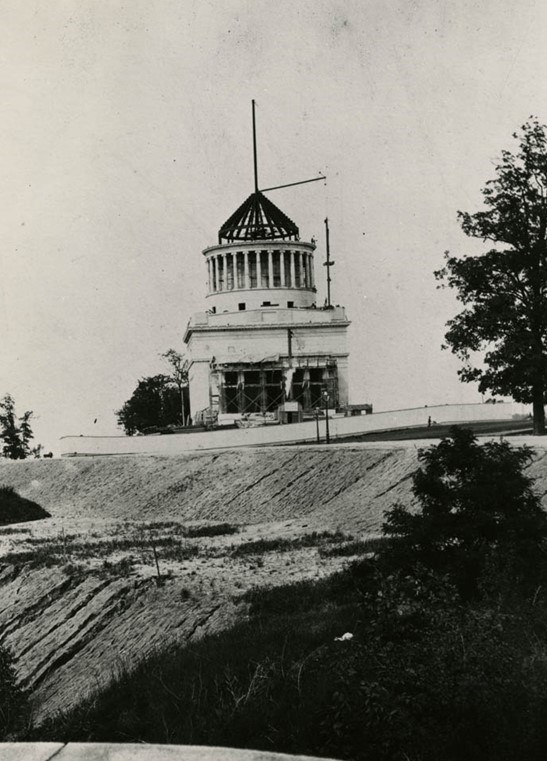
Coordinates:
x,y
14,705
504,290
154,404
476,503
15,432
179,373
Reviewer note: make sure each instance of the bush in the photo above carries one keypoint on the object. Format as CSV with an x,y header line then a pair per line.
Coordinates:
x,y
15,509
477,504
14,706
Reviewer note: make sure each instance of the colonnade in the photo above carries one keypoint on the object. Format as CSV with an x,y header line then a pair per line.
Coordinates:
x,y
268,268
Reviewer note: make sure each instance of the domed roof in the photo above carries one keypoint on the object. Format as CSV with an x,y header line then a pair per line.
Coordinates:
x,y
258,219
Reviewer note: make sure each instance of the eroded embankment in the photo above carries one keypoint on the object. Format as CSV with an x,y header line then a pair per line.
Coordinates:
x,y
73,625
72,634
340,486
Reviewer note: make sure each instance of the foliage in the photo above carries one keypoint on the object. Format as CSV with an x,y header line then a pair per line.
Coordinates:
x,y
504,291
179,373
477,508
15,509
15,432
14,707
424,677
154,404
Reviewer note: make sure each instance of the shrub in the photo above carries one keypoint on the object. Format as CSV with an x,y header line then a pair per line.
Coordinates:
x,y
14,706
15,509
476,504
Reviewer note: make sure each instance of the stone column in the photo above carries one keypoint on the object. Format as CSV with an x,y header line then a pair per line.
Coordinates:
x,y
223,261
230,272
258,269
292,255
282,268
246,275
312,278
270,269
214,271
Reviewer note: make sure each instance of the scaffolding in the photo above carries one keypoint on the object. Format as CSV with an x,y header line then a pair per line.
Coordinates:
x,y
264,388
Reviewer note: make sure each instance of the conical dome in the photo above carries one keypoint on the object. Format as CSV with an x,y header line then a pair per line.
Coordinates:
x,y
258,219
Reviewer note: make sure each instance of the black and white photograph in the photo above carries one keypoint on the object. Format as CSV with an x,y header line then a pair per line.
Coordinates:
x,y
273,376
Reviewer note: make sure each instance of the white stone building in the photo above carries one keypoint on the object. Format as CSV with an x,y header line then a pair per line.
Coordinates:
x,y
263,345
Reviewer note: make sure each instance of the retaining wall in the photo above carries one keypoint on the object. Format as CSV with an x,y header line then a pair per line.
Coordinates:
x,y
340,427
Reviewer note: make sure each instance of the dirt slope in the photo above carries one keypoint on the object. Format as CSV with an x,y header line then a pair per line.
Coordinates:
x,y
72,634
348,487
72,626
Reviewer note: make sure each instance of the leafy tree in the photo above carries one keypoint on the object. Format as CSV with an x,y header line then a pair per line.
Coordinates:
x,y
179,373
477,508
15,432
504,291
155,403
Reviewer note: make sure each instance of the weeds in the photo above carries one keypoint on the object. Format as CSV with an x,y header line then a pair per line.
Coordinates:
x,y
284,544
217,529
33,558
9,531
124,567
400,688
176,528
47,552
348,549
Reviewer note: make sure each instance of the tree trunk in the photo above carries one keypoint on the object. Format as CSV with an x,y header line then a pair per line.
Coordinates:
x,y
181,389
538,409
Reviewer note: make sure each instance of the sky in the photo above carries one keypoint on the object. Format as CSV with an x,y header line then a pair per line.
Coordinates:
x,y
125,143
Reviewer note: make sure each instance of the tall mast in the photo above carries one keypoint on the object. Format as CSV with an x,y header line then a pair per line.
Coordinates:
x,y
254,148
328,264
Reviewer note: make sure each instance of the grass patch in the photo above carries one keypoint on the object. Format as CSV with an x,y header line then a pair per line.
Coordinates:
x,y
284,544
203,693
216,529
12,531
46,551
420,679
179,551
349,549
175,528
124,567
39,558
